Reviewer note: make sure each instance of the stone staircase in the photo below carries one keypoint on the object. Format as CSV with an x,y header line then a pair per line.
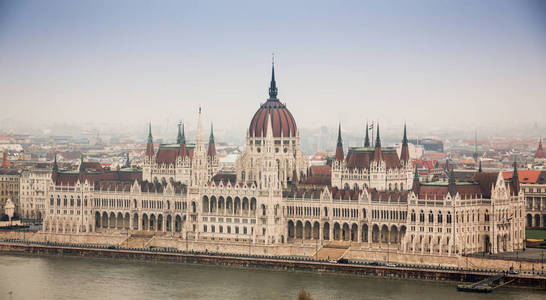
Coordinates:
x,y
136,241
332,251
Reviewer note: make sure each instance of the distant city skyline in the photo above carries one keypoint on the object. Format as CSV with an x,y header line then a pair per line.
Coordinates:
x,y
433,64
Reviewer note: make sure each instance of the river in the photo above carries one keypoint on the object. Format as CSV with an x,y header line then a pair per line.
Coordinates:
x,y
50,277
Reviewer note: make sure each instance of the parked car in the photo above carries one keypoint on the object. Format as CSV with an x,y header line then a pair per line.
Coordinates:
x,y
342,261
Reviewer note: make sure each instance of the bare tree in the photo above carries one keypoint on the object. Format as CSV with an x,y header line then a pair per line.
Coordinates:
x,y
304,295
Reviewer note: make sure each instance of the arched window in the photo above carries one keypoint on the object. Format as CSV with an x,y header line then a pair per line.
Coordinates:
x,y
204,228
263,210
440,217
422,216
413,216
430,217
449,217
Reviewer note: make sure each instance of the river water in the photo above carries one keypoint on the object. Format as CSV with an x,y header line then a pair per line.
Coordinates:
x,y
49,277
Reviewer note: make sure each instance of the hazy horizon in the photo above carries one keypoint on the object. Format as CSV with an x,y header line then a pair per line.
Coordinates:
x,y
437,65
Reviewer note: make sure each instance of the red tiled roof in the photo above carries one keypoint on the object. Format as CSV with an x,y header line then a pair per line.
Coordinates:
x,y
320,170
525,176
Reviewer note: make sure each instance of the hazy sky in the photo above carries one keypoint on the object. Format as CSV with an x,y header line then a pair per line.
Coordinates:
x,y
430,63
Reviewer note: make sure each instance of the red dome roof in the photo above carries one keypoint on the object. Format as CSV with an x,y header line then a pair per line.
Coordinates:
x,y
281,119
274,112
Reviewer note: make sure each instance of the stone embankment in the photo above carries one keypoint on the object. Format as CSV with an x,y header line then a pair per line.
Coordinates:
x,y
267,262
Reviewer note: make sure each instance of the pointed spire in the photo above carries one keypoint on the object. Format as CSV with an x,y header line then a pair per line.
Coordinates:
x,y
451,185
367,138
150,143
212,148
82,166
273,85
515,178
55,166
378,139
339,141
404,153
377,152
416,184
150,139
180,139
339,148
127,161
405,138
211,137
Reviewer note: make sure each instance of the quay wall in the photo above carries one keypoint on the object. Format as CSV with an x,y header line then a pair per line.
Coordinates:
x,y
535,282
297,249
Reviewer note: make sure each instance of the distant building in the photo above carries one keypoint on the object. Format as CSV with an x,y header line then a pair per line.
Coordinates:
x,y
429,144
33,191
9,188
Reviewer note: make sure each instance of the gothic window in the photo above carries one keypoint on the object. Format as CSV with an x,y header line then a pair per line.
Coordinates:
x,y
422,216
430,217
449,217
440,217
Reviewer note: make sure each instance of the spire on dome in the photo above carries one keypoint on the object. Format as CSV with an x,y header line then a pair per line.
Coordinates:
x,y
273,85
339,147
367,138
404,153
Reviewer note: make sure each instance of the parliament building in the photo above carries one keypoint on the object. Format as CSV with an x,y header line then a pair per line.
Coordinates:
x,y
368,199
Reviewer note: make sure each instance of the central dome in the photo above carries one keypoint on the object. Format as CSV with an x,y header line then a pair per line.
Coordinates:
x,y
275,113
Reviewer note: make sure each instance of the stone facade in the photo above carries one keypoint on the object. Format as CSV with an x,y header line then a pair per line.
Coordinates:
x,y
535,203
33,191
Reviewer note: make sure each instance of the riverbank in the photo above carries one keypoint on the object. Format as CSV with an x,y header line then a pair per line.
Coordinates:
x,y
264,262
